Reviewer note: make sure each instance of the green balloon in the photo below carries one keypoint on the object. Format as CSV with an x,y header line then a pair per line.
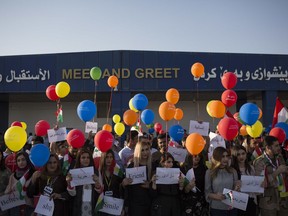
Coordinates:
x,y
95,73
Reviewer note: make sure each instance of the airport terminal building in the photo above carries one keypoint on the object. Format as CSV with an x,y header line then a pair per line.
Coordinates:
x,y
24,79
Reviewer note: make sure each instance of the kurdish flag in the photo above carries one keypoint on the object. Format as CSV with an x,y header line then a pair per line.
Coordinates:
x,y
66,164
118,171
256,153
280,113
20,185
100,203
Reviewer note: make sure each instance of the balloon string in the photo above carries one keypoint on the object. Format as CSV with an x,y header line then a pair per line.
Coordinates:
x,y
58,107
95,88
139,122
197,99
109,107
166,129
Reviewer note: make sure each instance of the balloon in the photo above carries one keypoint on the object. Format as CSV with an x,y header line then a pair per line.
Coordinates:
x,y
130,117
228,128
147,116
249,113
151,130
197,70
229,80
16,123
216,108
178,114
167,111
279,133
172,95
243,131
62,89
237,118
140,101
75,138
195,143
103,140
255,130
131,106
116,118
229,97
161,132
260,113
51,93
157,127
24,125
39,155
176,132
86,110
107,127
41,128
119,128
10,162
284,126
112,81
95,73
15,138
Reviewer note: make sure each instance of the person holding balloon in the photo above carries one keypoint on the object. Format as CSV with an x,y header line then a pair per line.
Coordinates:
x,y
19,181
218,177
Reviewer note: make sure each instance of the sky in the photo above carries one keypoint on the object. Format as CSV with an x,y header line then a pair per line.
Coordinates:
x,y
221,26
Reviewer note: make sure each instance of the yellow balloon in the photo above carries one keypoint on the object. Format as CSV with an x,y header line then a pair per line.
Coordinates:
x,y
24,125
119,128
116,118
131,106
62,89
15,138
255,130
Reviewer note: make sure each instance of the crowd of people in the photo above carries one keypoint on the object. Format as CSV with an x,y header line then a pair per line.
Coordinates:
x,y
201,195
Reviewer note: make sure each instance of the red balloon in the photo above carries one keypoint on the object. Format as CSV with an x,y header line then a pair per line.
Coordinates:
x,y
75,138
229,97
279,133
228,128
229,80
157,127
10,162
41,128
51,93
103,140
16,123
161,132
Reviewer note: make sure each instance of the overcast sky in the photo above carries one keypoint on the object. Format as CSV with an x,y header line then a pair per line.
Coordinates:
x,y
58,26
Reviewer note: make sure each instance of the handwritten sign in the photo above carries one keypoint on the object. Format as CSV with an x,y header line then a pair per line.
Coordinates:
x,y
45,206
215,141
137,174
235,199
167,175
82,176
112,206
11,200
179,154
197,127
252,184
91,126
57,135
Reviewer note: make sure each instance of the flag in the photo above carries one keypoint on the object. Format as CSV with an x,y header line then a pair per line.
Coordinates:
x,y
256,153
100,200
59,115
20,185
280,113
66,164
118,171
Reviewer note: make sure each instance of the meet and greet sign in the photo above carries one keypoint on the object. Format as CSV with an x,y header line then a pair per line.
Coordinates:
x,y
142,70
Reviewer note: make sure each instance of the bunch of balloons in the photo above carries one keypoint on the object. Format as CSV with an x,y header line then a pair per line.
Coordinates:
x,y
55,92
119,127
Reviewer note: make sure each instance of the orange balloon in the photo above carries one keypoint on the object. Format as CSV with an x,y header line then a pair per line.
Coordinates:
x,y
178,114
172,95
107,127
112,81
260,113
130,117
243,131
197,69
195,143
216,108
167,111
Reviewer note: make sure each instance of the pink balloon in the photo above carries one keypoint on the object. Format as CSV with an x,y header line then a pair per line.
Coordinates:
x,y
76,138
103,140
16,123
228,128
229,80
229,97
279,133
157,127
41,128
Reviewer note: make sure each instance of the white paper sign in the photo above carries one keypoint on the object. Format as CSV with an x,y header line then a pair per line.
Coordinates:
x,y
137,174
112,206
239,200
57,135
167,175
197,127
11,200
91,126
215,141
45,206
252,184
190,176
179,154
82,176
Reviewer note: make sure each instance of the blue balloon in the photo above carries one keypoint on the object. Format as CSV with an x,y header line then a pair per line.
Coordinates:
x,y
249,113
147,116
284,126
139,102
151,130
176,132
86,110
39,155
